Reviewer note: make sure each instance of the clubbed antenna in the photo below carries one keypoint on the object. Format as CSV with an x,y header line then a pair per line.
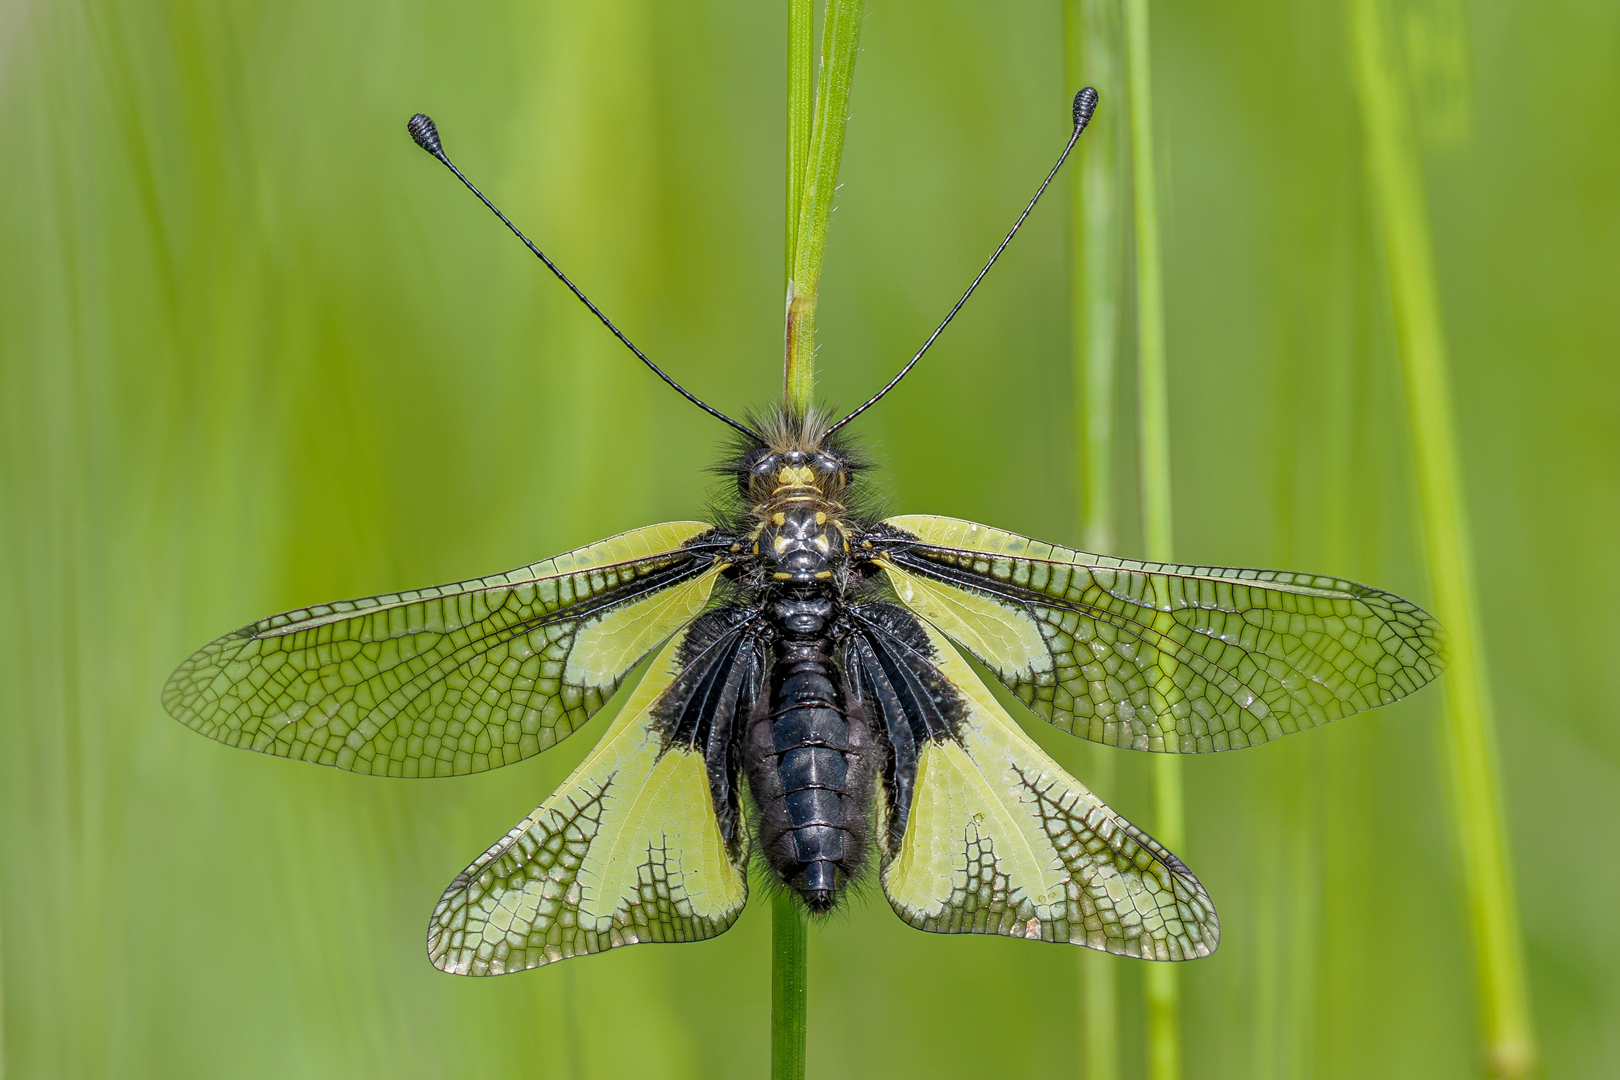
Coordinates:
x,y
1085,103
426,134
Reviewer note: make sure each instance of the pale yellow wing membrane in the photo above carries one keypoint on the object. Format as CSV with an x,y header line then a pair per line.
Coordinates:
x,y
454,679
1000,840
1161,657
628,849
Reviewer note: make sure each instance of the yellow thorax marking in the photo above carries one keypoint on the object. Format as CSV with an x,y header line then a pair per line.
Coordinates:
x,y
795,476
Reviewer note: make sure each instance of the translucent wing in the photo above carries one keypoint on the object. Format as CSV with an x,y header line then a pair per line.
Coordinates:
x,y
1000,840
1156,657
629,849
454,679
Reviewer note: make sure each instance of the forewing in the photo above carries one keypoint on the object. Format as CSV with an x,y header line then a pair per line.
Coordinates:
x,y
628,849
454,679
1158,657
1000,840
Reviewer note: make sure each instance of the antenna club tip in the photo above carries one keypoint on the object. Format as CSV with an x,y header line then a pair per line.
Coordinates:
x,y
1085,103
422,129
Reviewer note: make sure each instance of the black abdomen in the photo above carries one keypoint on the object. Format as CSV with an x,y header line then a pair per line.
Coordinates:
x,y
811,768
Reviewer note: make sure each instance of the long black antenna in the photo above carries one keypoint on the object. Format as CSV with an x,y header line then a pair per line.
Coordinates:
x,y
422,129
1085,103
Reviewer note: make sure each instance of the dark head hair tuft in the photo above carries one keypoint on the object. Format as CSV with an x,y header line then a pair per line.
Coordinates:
x,y
780,431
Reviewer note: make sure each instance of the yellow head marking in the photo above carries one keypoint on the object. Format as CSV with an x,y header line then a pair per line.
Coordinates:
x,y
779,518
795,476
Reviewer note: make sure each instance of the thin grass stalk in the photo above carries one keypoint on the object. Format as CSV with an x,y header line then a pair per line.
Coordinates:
x,y
1160,982
1273,863
1091,29
1097,285
800,103
789,968
789,934
1395,179
1153,401
815,145
840,41
573,1053
1099,983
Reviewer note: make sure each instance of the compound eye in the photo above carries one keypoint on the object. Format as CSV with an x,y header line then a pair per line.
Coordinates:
x,y
826,464
757,466
793,457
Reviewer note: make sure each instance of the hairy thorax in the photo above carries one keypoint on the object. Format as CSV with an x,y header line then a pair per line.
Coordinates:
x,y
799,536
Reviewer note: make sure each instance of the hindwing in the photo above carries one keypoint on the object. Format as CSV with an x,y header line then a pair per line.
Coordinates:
x,y
997,838
455,679
629,848
1154,656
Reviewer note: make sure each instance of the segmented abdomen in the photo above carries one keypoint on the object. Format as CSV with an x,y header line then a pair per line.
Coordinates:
x,y
811,772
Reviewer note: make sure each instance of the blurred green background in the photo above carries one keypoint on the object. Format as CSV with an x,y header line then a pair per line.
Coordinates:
x,y
257,350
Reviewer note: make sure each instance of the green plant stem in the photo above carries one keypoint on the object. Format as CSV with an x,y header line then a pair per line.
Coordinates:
x,y
800,104
789,937
1098,971
1395,179
815,145
2,1009
1098,257
1152,391
840,39
1091,29
789,941
1160,981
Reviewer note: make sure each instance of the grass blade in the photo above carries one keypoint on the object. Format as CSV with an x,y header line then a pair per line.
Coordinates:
x,y
815,147
1395,178
1160,981
789,967
789,934
800,109
840,40
1097,261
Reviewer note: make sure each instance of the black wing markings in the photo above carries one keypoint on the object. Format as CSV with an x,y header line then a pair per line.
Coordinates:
x,y
889,667
1000,839
722,668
